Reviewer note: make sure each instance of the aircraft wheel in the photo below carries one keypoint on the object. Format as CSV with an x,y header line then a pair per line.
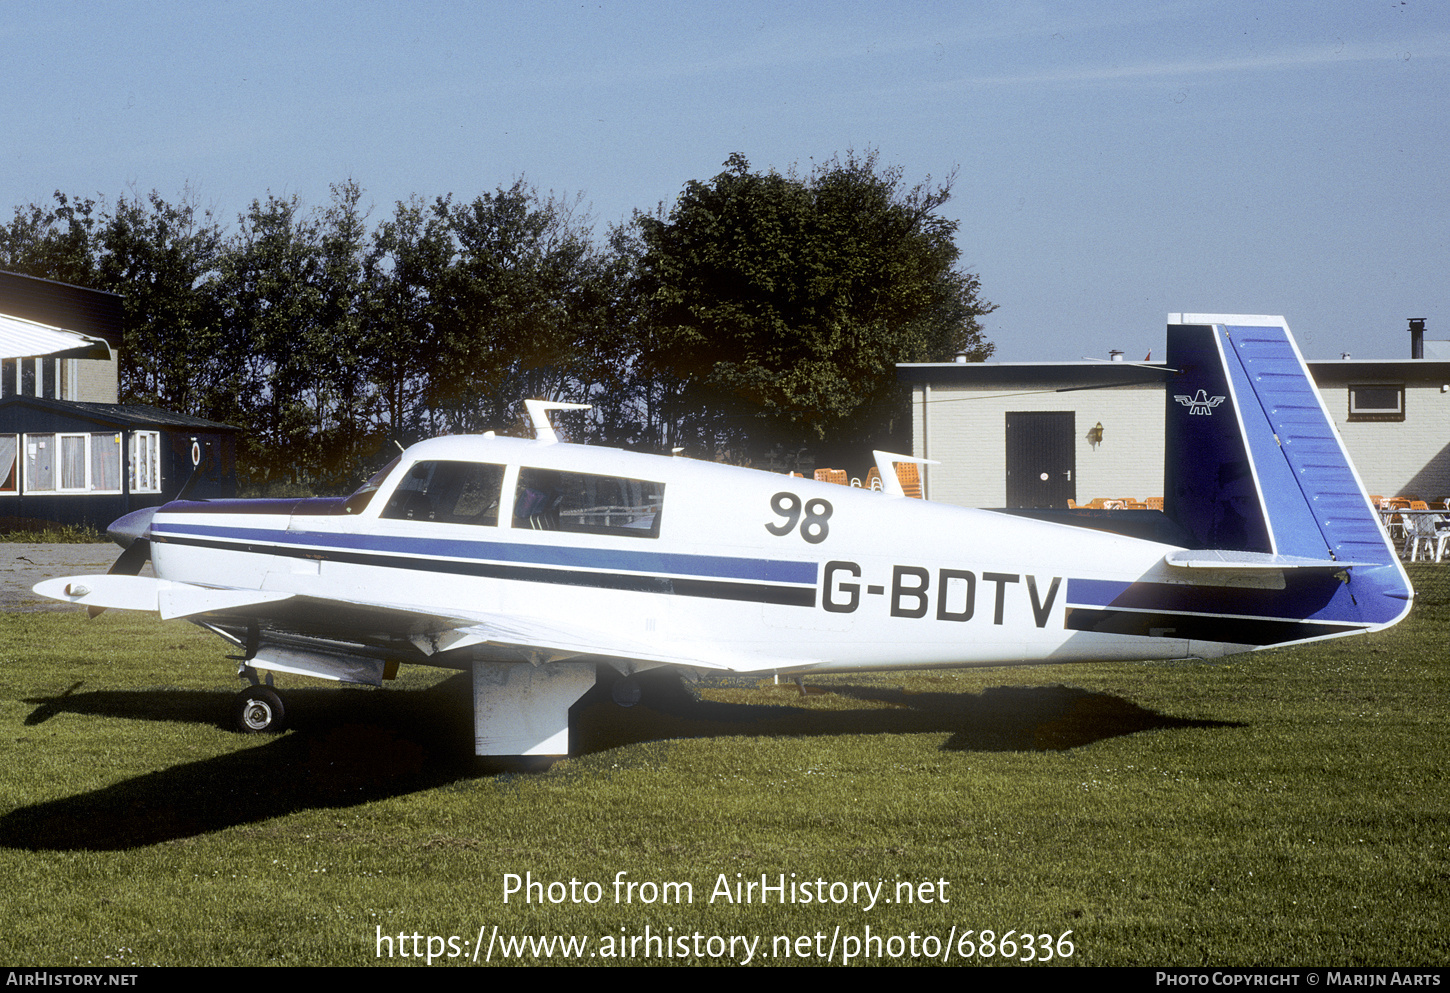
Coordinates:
x,y
259,710
626,691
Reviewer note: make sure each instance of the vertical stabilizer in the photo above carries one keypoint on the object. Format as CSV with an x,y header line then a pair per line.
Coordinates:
x,y
1254,463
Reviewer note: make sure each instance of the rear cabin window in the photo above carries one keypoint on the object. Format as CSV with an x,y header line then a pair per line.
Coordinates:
x,y
448,493
581,503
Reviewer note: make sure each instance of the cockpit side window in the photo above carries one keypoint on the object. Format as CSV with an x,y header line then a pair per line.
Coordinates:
x,y
582,503
448,493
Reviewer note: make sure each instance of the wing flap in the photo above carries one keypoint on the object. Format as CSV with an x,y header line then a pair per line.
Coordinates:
x,y
541,639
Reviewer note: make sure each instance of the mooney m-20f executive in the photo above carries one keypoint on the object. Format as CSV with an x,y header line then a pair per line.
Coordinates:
x,y
541,566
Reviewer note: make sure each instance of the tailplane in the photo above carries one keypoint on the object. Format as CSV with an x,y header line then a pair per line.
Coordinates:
x,y
1258,475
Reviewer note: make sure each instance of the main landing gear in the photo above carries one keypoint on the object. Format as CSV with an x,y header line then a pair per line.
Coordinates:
x,y
259,709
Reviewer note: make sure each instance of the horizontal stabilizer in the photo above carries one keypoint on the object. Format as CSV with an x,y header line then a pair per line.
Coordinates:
x,y
1232,560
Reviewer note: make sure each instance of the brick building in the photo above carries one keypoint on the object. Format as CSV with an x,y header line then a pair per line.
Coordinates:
x,y
1096,429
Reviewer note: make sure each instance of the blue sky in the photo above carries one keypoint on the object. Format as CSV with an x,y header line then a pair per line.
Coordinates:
x,y
1112,162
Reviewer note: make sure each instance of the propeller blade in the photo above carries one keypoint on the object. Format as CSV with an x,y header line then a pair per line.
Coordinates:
x,y
136,555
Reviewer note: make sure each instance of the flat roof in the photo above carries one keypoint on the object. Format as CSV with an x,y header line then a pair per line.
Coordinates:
x,y
1108,373
97,313
119,414
1066,373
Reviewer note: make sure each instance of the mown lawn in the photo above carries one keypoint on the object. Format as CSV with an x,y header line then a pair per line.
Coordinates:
x,y
1287,807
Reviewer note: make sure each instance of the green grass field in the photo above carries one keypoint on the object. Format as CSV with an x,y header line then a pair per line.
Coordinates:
x,y
1283,808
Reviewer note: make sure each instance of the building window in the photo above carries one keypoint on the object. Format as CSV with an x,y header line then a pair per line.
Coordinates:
x,y
105,462
73,463
145,462
9,464
1377,402
50,379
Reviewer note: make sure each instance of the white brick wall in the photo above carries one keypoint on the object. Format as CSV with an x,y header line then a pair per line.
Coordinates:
x,y
1399,457
967,433
96,380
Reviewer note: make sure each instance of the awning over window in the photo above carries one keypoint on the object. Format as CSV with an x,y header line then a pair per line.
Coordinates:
x,y
22,339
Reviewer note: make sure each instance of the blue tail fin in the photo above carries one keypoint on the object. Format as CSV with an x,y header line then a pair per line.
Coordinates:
x,y
1255,465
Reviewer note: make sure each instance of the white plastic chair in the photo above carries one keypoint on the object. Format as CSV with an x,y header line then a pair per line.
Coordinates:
x,y
1423,531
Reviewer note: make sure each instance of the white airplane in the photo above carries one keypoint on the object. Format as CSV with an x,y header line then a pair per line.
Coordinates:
x,y
541,566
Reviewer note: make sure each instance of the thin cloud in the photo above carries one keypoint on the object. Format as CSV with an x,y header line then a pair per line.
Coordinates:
x,y
1338,53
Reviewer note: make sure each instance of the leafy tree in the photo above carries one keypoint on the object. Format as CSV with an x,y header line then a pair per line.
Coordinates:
x,y
162,258
518,307
52,242
764,312
405,269
292,294
784,302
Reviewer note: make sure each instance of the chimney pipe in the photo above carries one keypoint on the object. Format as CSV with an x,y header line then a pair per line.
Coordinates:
x,y
1417,337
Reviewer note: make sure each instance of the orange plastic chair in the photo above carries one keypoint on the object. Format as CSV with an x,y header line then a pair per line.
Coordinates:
x,y
910,479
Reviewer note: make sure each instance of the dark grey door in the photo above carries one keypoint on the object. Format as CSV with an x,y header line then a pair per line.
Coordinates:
x,y
1041,458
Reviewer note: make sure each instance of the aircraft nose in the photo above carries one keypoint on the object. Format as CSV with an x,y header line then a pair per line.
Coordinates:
x,y
125,530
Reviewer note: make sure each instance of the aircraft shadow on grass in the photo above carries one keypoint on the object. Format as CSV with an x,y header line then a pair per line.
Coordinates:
x,y
352,747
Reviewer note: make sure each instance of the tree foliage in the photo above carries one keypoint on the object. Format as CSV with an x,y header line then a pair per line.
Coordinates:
x,y
784,302
763,312
163,259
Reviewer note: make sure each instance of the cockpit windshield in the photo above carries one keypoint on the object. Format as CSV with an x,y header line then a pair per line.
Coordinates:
x,y
363,495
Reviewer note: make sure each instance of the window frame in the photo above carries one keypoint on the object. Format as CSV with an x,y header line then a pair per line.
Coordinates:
x,y
135,460
13,477
57,471
1358,413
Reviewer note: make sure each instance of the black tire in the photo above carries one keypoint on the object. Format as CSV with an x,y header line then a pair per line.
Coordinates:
x,y
259,710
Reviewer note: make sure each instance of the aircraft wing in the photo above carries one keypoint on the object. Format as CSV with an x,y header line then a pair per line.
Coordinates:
x,y
145,593
540,639
535,639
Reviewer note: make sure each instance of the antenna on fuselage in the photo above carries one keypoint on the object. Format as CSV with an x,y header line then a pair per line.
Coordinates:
x,y
539,414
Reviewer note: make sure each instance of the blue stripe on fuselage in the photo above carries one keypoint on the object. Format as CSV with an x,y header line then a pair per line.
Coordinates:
x,y
713,566
1306,595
